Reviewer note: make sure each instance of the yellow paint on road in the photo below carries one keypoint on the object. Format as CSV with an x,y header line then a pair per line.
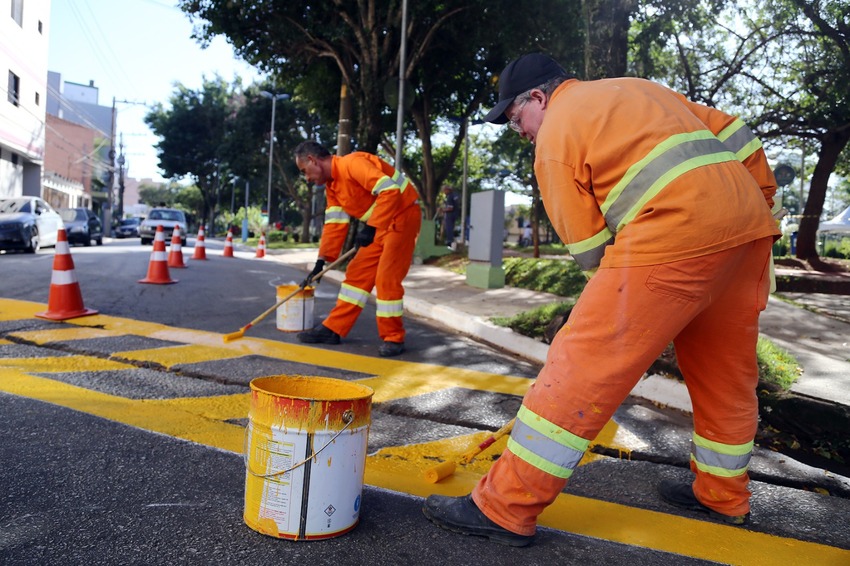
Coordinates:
x,y
63,334
165,417
171,356
205,421
63,364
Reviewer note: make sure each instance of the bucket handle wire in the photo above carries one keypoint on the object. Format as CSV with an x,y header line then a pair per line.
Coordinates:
x,y
347,418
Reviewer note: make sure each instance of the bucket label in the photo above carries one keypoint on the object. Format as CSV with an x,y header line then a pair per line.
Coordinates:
x,y
296,314
335,481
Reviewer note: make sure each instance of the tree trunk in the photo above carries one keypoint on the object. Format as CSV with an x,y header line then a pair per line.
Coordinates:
x,y
343,138
606,37
832,145
535,215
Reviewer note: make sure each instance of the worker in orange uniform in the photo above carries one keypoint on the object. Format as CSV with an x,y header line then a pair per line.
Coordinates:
x,y
362,186
666,206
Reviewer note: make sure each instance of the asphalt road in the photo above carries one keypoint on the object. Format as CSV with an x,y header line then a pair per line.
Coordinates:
x,y
122,437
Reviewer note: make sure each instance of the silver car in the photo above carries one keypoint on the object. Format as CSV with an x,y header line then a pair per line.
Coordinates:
x,y
168,218
28,223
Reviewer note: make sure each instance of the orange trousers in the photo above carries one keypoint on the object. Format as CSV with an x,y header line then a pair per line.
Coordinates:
x,y
708,307
383,264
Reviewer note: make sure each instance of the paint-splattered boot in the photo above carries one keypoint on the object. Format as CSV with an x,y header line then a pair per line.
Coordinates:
x,y
681,495
320,334
461,515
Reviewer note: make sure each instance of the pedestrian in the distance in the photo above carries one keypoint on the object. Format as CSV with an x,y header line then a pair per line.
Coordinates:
x,y
450,209
666,206
364,187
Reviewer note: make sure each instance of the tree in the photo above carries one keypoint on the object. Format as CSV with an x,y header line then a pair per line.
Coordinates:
x,y
192,132
783,66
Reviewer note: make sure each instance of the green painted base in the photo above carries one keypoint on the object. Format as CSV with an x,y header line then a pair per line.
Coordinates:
x,y
425,246
485,276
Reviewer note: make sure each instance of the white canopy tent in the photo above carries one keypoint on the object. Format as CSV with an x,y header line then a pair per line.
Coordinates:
x,y
841,223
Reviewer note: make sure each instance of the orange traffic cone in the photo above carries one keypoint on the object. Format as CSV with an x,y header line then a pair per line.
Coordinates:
x,y
200,247
228,244
66,299
175,256
261,247
158,266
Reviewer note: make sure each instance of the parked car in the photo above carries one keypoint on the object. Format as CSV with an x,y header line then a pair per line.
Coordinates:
x,y
28,223
128,228
168,218
82,226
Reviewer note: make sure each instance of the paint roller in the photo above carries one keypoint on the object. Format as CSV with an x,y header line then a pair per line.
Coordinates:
x,y
444,470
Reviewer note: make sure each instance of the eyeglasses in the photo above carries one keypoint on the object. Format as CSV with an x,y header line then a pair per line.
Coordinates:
x,y
514,122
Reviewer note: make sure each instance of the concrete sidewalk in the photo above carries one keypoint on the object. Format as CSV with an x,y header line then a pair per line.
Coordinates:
x,y
815,328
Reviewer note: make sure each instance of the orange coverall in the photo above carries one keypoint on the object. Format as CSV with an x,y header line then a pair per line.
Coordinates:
x,y
666,206
365,187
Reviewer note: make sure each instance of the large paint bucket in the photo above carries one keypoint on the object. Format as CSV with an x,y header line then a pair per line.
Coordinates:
x,y
305,456
296,314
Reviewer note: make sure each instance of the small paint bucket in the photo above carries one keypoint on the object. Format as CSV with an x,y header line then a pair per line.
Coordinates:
x,y
305,456
296,314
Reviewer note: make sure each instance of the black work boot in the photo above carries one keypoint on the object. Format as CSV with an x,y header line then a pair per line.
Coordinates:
x,y
320,334
461,515
390,349
682,495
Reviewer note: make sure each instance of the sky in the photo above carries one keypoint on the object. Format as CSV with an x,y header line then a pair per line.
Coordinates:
x,y
135,51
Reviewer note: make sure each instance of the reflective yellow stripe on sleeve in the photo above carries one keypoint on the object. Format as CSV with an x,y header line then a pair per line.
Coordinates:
x,y
335,215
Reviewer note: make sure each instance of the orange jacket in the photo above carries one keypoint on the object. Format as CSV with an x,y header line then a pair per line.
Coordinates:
x,y
367,188
632,173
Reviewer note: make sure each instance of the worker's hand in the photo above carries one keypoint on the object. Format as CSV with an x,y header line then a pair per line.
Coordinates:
x,y
320,265
365,237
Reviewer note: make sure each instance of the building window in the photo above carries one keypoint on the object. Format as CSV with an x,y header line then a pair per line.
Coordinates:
x,y
37,99
18,12
40,28
14,88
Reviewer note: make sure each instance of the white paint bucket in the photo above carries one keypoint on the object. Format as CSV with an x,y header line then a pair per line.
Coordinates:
x,y
296,314
305,456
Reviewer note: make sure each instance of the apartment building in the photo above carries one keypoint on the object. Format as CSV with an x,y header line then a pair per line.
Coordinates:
x,y
24,27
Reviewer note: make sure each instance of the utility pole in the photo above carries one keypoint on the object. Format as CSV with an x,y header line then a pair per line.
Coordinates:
x,y
107,212
275,98
119,212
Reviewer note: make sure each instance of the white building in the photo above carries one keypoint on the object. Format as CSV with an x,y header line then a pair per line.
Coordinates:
x,y
23,95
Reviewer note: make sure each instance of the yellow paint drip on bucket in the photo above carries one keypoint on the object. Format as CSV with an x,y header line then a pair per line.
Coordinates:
x,y
305,456
296,314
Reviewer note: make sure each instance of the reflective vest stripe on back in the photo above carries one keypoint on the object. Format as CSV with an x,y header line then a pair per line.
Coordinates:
x,y
670,159
739,139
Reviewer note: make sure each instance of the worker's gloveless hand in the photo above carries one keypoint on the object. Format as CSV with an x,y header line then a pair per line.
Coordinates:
x,y
320,265
366,236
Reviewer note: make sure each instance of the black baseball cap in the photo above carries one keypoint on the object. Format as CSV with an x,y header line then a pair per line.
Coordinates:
x,y
520,75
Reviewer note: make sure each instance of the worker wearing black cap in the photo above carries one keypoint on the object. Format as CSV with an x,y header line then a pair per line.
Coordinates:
x,y
632,175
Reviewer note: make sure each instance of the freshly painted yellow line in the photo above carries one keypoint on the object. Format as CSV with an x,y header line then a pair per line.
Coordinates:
x,y
166,417
202,420
62,364
63,334
170,357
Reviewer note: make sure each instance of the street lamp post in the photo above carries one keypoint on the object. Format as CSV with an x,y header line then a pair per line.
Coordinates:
x,y
275,98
